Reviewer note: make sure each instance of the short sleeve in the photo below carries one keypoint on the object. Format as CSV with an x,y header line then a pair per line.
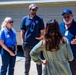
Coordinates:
x,y
22,25
41,24
2,36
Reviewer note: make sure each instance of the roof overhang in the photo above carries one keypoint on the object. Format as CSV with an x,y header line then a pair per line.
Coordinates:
x,y
38,2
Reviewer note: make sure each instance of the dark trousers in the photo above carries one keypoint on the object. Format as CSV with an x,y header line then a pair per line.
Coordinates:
x,y
27,50
73,66
8,62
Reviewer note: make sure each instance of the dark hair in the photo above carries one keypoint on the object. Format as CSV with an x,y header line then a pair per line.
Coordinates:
x,y
52,36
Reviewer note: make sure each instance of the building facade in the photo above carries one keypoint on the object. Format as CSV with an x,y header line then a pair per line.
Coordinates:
x,y
47,10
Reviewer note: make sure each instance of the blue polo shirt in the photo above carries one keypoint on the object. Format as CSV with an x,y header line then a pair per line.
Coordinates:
x,y
32,29
9,36
70,34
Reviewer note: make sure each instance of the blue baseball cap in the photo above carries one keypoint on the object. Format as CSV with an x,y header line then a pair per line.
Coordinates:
x,y
66,11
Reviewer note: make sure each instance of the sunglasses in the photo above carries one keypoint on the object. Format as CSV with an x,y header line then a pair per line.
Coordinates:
x,y
34,9
10,21
50,22
66,17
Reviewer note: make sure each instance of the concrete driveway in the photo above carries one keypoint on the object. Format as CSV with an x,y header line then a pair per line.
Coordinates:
x,y
19,67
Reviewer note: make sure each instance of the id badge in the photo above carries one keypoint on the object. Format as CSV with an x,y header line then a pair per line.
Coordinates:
x,y
66,33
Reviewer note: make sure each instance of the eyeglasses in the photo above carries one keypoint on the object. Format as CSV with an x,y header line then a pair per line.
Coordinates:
x,y
34,9
10,21
66,17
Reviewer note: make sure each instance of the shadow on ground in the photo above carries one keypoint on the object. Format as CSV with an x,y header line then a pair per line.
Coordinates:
x,y
20,53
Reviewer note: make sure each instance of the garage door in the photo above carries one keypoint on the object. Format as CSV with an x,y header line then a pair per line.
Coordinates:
x,y
45,11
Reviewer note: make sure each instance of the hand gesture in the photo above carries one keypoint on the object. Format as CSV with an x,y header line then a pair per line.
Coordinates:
x,y
12,54
39,38
44,62
73,41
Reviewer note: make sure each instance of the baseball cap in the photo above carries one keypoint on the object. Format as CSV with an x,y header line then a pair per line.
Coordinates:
x,y
66,11
32,6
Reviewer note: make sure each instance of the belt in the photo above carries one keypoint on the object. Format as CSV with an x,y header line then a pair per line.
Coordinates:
x,y
11,47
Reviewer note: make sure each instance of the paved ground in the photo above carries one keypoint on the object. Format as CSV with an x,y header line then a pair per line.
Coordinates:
x,y
19,68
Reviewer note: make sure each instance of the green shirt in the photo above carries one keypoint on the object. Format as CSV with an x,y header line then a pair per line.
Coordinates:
x,y
57,61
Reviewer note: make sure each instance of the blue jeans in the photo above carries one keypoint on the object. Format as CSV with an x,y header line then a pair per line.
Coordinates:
x,y
7,61
27,50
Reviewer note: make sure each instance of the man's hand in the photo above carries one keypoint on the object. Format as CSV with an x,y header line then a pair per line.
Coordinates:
x,y
73,41
39,38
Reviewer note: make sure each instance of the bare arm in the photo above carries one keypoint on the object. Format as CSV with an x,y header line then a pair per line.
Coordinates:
x,y
41,35
42,32
22,35
6,48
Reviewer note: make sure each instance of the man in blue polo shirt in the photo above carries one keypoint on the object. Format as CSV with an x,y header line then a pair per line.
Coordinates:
x,y
68,29
32,27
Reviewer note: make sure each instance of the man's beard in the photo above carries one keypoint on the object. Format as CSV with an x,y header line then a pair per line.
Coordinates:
x,y
33,14
68,22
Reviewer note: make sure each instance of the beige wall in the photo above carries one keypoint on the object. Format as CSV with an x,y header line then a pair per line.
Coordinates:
x,y
46,11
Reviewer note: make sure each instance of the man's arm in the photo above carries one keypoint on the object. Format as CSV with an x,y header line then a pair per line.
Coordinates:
x,y
22,35
41,35
42,32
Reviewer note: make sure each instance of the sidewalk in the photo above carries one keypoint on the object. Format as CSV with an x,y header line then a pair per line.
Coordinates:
x,y
19,67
